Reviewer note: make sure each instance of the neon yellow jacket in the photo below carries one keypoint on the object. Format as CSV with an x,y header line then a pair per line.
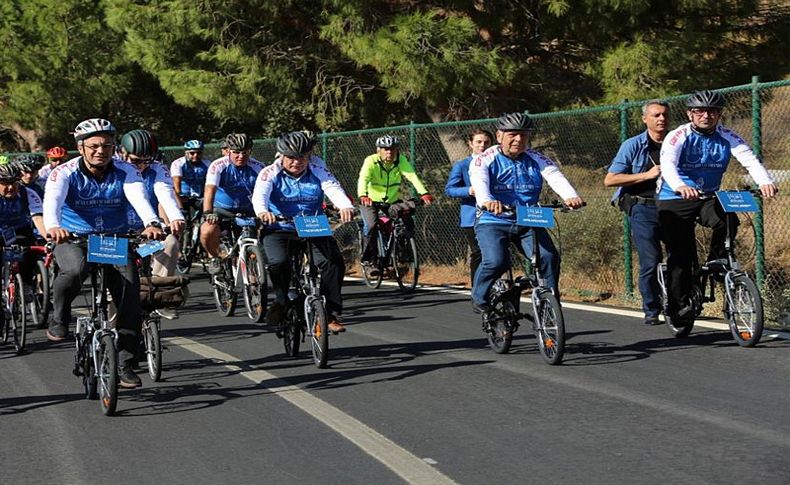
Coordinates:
x,y
381,181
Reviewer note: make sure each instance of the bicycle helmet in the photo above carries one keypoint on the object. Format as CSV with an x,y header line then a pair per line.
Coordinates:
x,y
295,144
388,141
706,99
3,159
193,145
9,172
238,141
92,127
29,162
515,122
56,152
141,143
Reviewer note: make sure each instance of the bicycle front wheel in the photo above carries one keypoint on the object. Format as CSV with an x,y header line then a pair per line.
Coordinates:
x,y
42,303
292,331
406,263
319,334
107,373
550,329
18,314
744,311
256,289
153,349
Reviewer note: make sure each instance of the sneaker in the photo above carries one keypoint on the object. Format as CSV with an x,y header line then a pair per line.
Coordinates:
x,y
57,332
335,326
129,378
652,321
215,266
370,270
484,308
29,293
275,314
168,313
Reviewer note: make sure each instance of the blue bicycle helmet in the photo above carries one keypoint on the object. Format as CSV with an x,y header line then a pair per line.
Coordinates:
x,y
193,145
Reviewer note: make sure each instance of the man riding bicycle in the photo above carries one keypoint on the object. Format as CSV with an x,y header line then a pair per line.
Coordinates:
x,y
229,185
380,181
694,157
512,174
189,176
290,187
29,165
55,156
91,194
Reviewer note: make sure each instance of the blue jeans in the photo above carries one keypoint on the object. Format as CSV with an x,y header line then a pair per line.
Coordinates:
x,y
647,238
494,241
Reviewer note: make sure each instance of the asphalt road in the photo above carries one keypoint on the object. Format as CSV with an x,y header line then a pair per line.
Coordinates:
x,y
412,394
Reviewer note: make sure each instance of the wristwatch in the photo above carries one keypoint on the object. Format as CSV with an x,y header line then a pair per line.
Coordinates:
x,y
155,224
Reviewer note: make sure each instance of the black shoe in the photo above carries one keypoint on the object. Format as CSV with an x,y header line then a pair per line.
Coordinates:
x,y
129,379
484,308
652,321
57,332
685,313
275,314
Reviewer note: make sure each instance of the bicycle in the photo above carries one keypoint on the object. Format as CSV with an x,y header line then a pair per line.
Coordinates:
x,y
246,272
501,321
14,318
396,251
190,238
41,306
743,306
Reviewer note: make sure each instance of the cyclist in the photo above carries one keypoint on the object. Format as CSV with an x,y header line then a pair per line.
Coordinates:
x,y
694,158
512,174
90,194
55,156
189,175
380,181
224,150
634,171
229,185
459,186
20,212
139,147
289,187
29,165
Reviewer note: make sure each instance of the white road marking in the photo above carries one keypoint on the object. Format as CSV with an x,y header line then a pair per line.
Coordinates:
x,y
409,467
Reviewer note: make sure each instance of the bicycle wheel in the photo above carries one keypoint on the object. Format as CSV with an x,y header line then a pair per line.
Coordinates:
x,y
89,379
370,281
292,331
319,334
256,289
406,263
224,295
153,348
499,324
107,374
744,311
18,314
41,304
550,328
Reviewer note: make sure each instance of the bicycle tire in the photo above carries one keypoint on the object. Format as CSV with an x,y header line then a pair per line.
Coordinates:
x,y
153,349
292,329
319,333
370,281
746,302
550,329
257,288
90,381
406,263
680,329
42,303
19,315
107,373
225,298
500,323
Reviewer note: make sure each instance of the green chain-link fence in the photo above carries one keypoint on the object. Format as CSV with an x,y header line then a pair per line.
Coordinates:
x,y
583,142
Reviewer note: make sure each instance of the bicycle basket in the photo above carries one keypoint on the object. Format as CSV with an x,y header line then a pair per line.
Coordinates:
x,y
163,292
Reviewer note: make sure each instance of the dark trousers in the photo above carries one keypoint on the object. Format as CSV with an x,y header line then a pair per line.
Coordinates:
x,y
123,283
370,230
646,233
677,219
475,256
326,255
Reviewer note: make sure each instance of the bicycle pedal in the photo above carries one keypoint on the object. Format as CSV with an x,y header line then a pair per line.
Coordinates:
x,y
77,371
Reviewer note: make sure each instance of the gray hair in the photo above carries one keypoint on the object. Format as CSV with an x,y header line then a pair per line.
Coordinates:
x,y
651,102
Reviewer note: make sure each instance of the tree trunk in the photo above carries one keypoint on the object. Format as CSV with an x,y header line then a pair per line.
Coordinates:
x,y
30,139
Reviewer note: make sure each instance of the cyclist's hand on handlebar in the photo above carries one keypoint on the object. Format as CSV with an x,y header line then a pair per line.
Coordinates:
x,y
366,201
211,218
177,227
688,193
268,217
153,232
57,234
346,215
769,190
574,202
494,206
427,199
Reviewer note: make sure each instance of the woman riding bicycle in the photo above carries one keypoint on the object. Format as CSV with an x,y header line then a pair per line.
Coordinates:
x,y
290,187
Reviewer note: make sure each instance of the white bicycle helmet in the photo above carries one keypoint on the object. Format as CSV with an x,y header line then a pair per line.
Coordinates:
x,y
92,127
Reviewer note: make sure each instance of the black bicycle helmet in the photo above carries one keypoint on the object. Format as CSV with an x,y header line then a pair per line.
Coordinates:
x,y
706,99
29,162
515,122
238,141
294,144
141,143
93,127
388,141
9,171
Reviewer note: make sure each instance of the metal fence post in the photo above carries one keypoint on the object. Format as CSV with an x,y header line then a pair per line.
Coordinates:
x,y
627,259
757,147
323,147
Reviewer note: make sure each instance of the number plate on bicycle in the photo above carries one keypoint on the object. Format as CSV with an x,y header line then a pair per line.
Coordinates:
x,y
246,221
737,201
150,248
108,250
534,216
9,235
312,226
